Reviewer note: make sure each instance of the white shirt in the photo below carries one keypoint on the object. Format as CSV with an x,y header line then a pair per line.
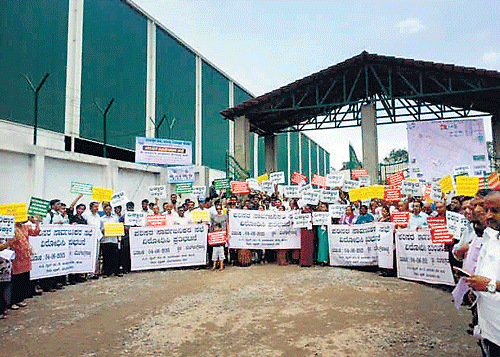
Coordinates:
x,y
93,220
465,238
53,216
488,304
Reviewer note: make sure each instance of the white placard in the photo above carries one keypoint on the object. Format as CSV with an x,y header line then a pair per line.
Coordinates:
x,y
330,196
411,188
119,199
321,218
353,245
6,228
336,210
456,223
334,180
267,187
421,260
291,191
310,197
305,188
168,247
364,180
63,249
302,220
199,191
158,191
436,194
277,177
253,184
180,174
385,244
262,230
137,219
461,170
349,185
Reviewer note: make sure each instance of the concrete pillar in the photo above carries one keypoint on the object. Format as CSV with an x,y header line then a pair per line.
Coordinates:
x,y
38,188
270,153
242,141
495,133
369,138
151,81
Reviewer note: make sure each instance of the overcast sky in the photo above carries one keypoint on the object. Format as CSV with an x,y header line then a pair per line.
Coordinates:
x,y
264,45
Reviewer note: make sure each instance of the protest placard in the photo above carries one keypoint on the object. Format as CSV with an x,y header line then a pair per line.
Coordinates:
x,y
461,170
102,194
200,216
253,184
436,194
410,187
456,223
180,174
334,180
217,237
263,177
321,218
359,194
392,194
114,230
439,231
38,207
262,230
291,191
158,191
63,249
494,181
199,191
356,173
302,220
421,260
305,188
240,188
446,184
330,196
298,178
186,187
377,191
267,187
385,244
6,227
396,179
82,188
277,177
310,197
161,151
18,210
168,247
318,180
119,199
467,186
336,210
353,245
400,218
222,184
156,220
138,219
349,185
364,180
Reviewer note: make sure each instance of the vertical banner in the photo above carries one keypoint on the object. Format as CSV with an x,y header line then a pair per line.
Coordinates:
x,y
421,260
385,244
353,245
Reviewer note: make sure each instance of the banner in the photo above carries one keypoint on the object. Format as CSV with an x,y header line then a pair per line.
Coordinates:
x,y
38,207
359,194
467,186
163,151
421,260
222,184
82,188
63,249
377,191
334,181
179,174
353,245
184,187
240,188
217,237
168,247
18,210
400,218
392,194
277,177
6,228
385,244
135,219
439,231
262,230
102,194
493,181
158,191
298,178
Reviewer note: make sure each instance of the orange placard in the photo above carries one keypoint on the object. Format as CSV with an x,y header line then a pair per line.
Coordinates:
x,y
155,220
218,237
400,218
396,179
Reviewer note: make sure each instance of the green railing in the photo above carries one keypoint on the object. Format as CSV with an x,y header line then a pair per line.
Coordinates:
x,y
234,170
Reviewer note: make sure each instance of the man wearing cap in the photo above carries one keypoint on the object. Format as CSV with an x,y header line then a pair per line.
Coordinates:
x,y
53,216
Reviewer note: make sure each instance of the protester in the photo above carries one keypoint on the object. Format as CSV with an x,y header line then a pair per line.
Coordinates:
x,y
109,245
322,233
364,216
385,214
418,219
348,217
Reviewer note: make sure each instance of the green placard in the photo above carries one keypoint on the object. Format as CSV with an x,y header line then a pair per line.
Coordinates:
x,y
222,184
38,207
82,188
186,187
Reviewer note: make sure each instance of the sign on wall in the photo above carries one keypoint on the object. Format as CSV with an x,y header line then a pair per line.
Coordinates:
x,y
158,151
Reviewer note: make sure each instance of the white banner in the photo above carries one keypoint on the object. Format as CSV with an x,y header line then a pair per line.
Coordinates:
x,y
158,191
168,247
163,151
353,245
262,230
456,223
421,260
180,174
63,249
385,244
330,196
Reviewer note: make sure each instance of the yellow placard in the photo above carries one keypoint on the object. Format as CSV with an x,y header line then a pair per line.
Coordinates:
x,y
467,185
410,179
200,216
359,194
114,230
446,184
377,191
18,210
102,194
264,177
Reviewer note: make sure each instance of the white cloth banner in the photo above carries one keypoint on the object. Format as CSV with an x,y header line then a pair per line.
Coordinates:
x,y
421,260
385,244
63,249
168,247
353,245
262,230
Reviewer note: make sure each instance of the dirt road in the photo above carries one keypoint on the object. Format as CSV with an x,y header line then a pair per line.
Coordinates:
x,y
262,310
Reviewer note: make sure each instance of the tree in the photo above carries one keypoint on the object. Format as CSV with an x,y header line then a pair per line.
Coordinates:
x,y
396,156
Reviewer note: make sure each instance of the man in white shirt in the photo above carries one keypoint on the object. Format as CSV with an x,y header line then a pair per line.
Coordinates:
x,y
94,219
418,220
54,216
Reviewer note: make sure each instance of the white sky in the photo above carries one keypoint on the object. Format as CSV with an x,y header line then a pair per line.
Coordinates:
x,y
264,45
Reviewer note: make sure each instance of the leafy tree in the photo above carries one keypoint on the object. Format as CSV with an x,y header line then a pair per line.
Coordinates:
x,y
396,155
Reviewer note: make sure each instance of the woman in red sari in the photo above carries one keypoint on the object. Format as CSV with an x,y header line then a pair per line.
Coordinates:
x,y
306,244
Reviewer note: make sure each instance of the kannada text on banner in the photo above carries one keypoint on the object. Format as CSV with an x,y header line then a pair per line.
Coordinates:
x,y
353,245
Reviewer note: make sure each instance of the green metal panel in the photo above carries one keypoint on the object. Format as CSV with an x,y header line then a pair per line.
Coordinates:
x,y
33,41
305,156
114,63
294,153
262,156
327,158
321,161
314,158
282,153
175,88
240,95
215,97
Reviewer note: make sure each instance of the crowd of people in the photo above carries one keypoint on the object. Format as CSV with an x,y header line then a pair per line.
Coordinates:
x,y
477,251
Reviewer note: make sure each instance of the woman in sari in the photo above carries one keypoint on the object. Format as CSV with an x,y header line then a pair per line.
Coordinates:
x,y
348,217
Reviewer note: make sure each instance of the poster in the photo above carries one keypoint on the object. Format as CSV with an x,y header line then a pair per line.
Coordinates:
x,y
178,174
385,244
159,151
353,245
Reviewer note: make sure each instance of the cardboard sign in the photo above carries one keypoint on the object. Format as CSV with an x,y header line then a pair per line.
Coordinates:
x,y
310,197
298,178
119,199
277,177
102,194
355,173
253,184
82,188
291,191
240,188
461,170
364,180
38,207
304,189
334,180
179,174
467,186
494,181
377,191
359,194
446,184
302,220
114,230
263,177
319,180
6,228
200,216
267,187
321,218
400,218
412,188
441,235
158,191
456,223
392,194
222,184
217,237
330,196
155,220
199,191
18,210
436,194
336,210
349,185
186,187
396,179
138,219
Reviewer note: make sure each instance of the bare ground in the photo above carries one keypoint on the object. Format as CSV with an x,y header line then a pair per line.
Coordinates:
x,y
262,310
